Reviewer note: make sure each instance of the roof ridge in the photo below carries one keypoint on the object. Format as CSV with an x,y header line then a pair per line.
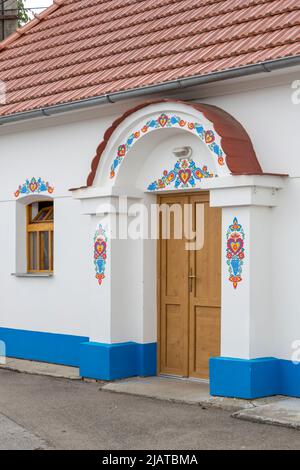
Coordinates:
x,y
28,26
255,3
202,3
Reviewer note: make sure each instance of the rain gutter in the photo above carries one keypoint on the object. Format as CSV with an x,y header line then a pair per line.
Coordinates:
x,y
179,84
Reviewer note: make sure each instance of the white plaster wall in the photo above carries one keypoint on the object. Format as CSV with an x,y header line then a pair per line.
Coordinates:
x,y
272,121
57,304
132,278
262,327
286,270
69,301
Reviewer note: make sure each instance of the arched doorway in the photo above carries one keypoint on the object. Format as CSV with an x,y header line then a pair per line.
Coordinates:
x,y
189,152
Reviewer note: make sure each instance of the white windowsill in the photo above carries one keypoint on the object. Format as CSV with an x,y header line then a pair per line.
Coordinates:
x,y
32,274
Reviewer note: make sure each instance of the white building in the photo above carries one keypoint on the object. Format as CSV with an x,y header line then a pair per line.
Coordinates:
x,y
112,107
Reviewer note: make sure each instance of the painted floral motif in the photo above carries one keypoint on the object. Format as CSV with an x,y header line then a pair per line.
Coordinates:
x,y
184,175
235,252
100,253
34,186
207,136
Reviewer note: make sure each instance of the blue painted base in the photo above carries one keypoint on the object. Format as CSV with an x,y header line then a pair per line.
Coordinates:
x,y
255,378
96,360
44,347
228,376
116,361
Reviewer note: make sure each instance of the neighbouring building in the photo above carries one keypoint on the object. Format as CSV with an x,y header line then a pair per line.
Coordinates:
x,y
112,107
8,17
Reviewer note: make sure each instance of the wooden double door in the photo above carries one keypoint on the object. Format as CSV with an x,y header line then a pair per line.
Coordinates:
x,y
189,288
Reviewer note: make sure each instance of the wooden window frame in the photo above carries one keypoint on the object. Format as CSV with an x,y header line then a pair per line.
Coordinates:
x,y
34,226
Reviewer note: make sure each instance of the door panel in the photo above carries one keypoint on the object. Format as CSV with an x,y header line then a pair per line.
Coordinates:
x,y
189,285
206,262
205,296
174,359
204,339
173,285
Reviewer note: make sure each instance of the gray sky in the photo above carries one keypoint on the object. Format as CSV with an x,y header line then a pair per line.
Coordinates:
x,y
37,3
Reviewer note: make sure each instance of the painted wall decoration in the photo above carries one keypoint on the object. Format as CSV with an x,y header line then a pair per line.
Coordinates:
x,y
235,252
184,175
34,186
208,136
100,253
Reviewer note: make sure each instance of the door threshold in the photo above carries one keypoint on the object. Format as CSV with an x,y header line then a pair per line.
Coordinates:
x,y
201,381
185,379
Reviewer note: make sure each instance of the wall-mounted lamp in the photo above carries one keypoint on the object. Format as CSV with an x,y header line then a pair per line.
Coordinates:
x,y
183,153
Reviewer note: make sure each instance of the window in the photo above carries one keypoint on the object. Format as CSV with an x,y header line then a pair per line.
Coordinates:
x,y
40,222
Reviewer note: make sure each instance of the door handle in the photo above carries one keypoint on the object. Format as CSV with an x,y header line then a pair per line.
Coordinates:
x,y
191,276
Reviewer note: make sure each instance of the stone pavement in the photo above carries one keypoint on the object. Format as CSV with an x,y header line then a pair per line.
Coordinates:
x,y
276,410
175,390
15,437
284,412
73,414
41,368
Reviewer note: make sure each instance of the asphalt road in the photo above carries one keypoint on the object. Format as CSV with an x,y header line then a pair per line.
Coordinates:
x,y
63,414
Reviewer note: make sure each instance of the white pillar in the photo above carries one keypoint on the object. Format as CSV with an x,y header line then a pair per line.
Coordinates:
x,y
122,310
246,315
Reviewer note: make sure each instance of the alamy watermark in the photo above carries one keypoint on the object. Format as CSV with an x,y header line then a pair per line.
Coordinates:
x,y
139,221
296,352
296,92
2,352
2,92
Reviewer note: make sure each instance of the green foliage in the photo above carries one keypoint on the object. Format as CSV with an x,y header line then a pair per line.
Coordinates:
x,y
23,16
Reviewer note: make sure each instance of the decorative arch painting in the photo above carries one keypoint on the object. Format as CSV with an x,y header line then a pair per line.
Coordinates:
x,y
33,186
184,175
208,136
100,253
235,252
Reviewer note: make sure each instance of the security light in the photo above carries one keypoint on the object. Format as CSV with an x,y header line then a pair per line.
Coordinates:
x,y
183,153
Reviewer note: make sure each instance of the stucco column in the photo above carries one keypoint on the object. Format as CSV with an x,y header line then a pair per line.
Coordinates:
x,y
246,314
122,322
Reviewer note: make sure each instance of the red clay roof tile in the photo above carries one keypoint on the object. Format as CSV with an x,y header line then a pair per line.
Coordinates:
x,y
79,49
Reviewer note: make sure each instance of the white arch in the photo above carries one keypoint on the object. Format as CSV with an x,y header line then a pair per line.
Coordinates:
x,y
151,120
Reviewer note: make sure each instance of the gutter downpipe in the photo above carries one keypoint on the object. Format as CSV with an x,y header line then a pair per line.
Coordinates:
x,y
263,67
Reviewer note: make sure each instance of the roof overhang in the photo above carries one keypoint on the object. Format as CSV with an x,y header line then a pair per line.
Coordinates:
x,y
161,88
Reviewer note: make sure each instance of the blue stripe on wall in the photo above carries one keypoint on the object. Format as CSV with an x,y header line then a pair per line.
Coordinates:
x,y
289,378
254,378
117,361
147,359
45,347
229,377
96,360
